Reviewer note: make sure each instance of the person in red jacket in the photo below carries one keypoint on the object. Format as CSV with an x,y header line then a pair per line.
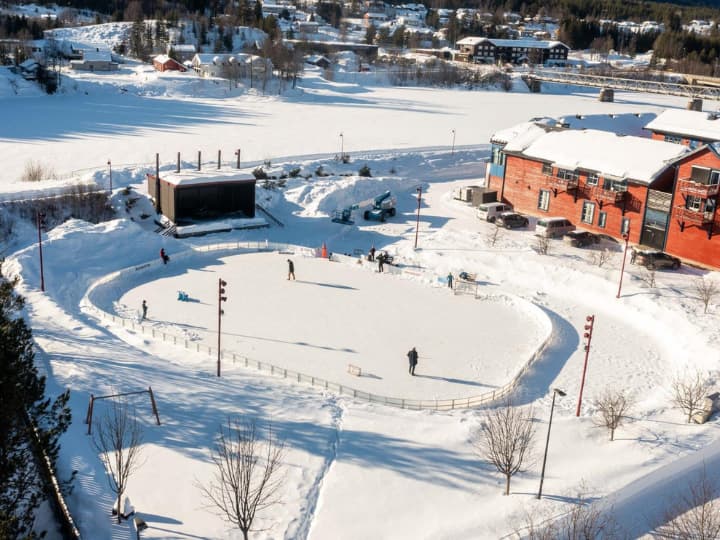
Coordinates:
x,y
164,256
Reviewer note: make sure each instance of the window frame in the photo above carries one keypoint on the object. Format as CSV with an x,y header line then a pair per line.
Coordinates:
x,y
544,200
586,217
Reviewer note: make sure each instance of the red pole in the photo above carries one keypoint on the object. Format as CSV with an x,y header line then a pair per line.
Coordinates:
x,y
588,336
39,227
221,299
622,269
417,225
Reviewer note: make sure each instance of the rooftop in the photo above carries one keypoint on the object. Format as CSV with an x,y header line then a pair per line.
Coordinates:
x,y
693,124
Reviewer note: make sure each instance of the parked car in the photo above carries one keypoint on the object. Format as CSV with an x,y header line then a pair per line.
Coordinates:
x,y
580,238
490,211
511,220
553,226
654,259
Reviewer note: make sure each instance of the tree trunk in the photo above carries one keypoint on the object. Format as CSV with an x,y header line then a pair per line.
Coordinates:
x,y
612,434
119,511
507,484
245,534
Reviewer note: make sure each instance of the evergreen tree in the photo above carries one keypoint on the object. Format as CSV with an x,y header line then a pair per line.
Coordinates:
x,y
23,402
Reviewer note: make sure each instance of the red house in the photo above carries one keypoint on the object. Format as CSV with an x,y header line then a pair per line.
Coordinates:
x,y
691,128
662,194
163,62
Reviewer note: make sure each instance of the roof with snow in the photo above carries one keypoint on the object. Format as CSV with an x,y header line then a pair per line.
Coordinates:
x,y
525,43
193,177
528,131
692,124
631,158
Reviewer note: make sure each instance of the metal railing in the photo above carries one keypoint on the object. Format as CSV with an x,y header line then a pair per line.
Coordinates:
x,y
317,382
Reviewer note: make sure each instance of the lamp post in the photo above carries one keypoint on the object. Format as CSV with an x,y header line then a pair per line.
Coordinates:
x,y
237,153
587,335
452,152
40,225
221,299
417,224
342,147
558,392
626,236
110,168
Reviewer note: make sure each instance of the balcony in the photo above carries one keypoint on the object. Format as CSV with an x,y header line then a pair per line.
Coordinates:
x,y
695,217
687,186
561,183
607,195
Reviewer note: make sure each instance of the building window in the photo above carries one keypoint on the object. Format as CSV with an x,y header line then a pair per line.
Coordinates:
x,y
714,178
673,139
592,179
625,226
547,169
565,174
693,203
544,200
588,212
498,157
602,219
614,185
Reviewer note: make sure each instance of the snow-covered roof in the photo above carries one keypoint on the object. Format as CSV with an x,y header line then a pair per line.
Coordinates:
x,y
632,158
522,134
470,40
693,124
526,43
206,176
185,47
97,56
161,58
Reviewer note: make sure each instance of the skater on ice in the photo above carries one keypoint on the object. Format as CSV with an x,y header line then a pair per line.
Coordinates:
x,y
144,310
291,269
413,359
164,256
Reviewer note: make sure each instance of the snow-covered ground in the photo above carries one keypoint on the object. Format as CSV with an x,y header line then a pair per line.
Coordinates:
x,y
353,469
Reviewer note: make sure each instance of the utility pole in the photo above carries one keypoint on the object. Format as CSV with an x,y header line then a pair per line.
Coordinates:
x,y
556,392
40,225
110,167
452,152
237,153
417,224
221,299
626,236
588,336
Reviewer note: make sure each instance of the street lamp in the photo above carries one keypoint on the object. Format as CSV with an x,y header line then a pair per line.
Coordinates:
x,y
626,236
342,147
221,299
587,335
558,392
417,225
452,152
110,167
40,225
237,153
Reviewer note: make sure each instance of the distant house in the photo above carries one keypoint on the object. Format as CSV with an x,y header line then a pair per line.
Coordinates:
x,y
220,65
163,62
192,195
29,69
691,128
94,61
306,27
517,51
182,52
317,60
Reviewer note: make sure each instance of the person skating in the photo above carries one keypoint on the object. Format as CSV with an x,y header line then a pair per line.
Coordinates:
x,y
381,262
164,256
144,310
413,360
450,280
291,269
371,257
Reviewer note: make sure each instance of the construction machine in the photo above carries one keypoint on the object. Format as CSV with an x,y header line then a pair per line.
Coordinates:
x,y
376,209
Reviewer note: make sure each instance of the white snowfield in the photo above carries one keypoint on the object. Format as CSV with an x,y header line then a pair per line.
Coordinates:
x,y
353,470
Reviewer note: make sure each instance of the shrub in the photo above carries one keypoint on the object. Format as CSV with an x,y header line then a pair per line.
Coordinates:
x,y
259,173
36,171
364,171
294,173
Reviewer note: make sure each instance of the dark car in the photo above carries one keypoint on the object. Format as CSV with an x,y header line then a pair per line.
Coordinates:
x,y
580,238
654,259
511,220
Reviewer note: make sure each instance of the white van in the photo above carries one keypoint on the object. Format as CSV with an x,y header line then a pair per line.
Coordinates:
x,y
553,226
490,211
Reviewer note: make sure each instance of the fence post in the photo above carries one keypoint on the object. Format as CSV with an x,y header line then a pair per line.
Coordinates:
x,y
154,406
453,405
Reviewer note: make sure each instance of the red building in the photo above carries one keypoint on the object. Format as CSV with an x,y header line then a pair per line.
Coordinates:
x,y
163,62
691,128
663,194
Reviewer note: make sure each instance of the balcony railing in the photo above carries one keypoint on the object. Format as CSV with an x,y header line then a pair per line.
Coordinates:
x,y
688,186
693,216
607,195
561,183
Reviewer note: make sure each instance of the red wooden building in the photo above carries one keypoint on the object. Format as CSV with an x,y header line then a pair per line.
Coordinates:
x,y
691,128
664,195
163,62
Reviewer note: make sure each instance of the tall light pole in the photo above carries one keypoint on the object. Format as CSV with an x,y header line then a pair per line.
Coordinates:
x,y
40,225
626,236
417,224
452,152
342,147
221,299
110,167
556,392
237,153
588,336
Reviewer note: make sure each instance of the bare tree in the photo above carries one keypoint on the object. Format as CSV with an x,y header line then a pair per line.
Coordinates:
x,y
117,436
542,244
246,479
599,258
689,393
613,407
695,513
504,438
649,277
706,290
494,235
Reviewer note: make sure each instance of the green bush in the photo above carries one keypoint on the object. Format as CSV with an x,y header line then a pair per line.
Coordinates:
x,y
294,173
